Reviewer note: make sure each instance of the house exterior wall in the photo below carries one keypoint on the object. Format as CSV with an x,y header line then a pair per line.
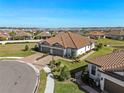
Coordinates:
x,y
80,51
69,51
97,75
102,76
118,37
112,79
87,48
92,45
84,49
120,73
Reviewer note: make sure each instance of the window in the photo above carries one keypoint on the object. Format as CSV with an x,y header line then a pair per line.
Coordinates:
x,y
93,70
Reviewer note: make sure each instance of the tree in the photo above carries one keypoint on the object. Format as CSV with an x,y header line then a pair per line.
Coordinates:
x,y
26,48
65,73
12,34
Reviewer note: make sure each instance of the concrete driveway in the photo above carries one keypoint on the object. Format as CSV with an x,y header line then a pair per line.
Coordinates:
x,y
43,61
17,77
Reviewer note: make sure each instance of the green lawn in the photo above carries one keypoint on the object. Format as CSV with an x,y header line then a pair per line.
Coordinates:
x,y
66,87
16,49
111,42
101,52
72,65
42,83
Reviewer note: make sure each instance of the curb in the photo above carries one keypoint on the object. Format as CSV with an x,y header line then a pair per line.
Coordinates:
x,y
11,57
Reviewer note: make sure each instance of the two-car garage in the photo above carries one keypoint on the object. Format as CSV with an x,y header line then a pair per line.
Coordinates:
x,y
111,87
45,49
58,52
54,51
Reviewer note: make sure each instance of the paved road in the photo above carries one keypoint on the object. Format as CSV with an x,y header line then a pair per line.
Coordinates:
x,y
17,77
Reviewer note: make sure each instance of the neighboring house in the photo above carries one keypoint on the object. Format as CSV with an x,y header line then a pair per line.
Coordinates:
x,y
44,35
4,36
116,34
66,44
108,72
96,34
20,34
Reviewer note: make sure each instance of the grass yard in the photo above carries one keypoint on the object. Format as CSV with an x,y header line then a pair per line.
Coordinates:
x,y
111,42
66,87
101,52
42,83
72,65
16,49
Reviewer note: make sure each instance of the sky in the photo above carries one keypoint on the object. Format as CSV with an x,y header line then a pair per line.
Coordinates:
x,y
61,13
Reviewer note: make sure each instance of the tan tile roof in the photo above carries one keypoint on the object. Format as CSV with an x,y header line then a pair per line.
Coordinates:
x,y
69,40
116,32
22,33
44,34
97,33
110,62
4,34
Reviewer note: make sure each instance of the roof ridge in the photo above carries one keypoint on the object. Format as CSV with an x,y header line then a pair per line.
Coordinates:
x,y
62,40
72,39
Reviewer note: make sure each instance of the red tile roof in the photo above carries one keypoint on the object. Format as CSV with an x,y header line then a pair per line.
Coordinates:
x,y
69,40
110,62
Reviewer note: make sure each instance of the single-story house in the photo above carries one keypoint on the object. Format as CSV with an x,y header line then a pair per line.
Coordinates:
x,y
44,35
66,44
4,36
108,72
96,34
20,34
116,34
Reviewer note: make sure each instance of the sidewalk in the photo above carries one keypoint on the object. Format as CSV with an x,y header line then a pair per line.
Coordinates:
x,y
50,81
85,56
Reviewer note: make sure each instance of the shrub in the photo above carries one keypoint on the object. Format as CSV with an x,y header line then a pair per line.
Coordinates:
x,y
36,48
26,48
52,64
99,46
65,74
115,50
